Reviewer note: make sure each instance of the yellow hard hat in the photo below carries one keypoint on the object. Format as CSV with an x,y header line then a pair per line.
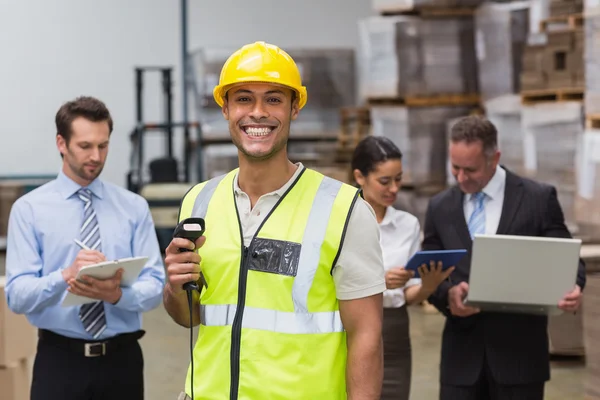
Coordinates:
x,y
260,62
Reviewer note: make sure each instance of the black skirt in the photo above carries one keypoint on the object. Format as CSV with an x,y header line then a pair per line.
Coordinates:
x,y
397,355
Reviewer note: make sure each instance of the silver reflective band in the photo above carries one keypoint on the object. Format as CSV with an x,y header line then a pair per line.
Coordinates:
x,y
273,320
203,198
312,240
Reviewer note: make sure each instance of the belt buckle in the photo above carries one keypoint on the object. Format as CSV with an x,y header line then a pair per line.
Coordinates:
x,y
90,349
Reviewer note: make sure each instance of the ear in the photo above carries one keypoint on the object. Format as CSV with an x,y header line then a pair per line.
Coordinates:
x,y
225,110
358,177
495,159
61,144
295,108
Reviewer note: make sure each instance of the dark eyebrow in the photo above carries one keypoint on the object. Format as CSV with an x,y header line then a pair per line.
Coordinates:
x,y
276,91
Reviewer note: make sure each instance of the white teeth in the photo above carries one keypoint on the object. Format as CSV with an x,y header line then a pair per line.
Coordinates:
x,y
258,131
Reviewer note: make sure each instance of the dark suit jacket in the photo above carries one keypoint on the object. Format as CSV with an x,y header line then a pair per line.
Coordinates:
x,y
514,347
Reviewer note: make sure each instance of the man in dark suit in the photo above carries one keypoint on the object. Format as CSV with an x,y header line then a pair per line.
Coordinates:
x,y
488,355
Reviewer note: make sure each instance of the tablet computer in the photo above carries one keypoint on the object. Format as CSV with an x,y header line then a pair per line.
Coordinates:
x,y
448,258
132,267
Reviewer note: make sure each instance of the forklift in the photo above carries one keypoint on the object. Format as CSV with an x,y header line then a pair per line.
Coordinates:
x,y
166,186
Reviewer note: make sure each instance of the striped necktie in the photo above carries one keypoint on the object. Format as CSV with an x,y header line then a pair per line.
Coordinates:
x,y
92,314
477,219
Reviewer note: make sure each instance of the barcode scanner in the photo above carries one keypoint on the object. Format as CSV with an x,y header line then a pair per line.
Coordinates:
x,y
192,229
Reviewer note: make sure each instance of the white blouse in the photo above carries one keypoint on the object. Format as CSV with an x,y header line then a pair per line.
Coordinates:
x,y
400,238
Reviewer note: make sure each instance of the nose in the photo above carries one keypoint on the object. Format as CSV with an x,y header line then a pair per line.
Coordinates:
x,y
395,188
259,111
95,155
460,176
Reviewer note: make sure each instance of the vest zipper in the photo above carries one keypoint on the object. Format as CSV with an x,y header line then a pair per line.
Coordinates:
x,y
236,329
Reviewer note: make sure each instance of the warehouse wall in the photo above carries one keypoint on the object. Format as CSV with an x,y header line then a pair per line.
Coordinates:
x,y
53,51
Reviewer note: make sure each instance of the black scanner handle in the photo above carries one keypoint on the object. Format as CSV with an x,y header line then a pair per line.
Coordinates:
x,y
191,229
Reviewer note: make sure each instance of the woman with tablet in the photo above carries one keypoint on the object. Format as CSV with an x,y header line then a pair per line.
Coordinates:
x,y
377,168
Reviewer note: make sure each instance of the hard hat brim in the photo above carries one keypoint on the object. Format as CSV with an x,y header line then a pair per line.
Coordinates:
x,y
220,91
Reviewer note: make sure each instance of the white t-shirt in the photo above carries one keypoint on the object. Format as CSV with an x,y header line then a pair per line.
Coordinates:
x,y
359,270
400,239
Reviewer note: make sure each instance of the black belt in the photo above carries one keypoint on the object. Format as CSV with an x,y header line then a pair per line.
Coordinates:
x,y
90,348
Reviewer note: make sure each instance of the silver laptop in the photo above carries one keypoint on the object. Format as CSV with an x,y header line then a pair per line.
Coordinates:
x,y
522,274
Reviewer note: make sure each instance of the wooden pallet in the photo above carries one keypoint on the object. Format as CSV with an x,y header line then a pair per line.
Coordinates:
x,y
592,121
565,22
355,125
430,101
552,95
430,12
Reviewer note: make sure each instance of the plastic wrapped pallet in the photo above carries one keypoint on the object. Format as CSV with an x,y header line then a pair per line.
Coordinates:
x,y
383,6
592,62
505,113
328,74
553,134
587,202
420,133
501,35
410,56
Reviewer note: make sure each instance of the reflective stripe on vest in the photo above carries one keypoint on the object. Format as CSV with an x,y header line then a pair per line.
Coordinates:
x,y
272,320
203,198
301,321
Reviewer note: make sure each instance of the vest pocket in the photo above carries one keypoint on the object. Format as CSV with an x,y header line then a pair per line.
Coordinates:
x,y
274,256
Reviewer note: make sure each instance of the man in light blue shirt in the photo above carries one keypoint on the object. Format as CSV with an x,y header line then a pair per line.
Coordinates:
x,y
90,351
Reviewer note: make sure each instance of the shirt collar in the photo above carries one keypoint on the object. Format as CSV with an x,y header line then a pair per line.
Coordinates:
x,y
495,186
279,192
67,187
391,217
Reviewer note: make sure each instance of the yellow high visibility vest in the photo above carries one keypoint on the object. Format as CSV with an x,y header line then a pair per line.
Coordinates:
x,y
270,322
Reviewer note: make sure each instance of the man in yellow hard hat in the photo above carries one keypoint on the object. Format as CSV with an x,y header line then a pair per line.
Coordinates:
x,y
292,307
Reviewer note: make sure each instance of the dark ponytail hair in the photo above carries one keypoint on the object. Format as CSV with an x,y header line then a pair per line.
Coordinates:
x,y
373,150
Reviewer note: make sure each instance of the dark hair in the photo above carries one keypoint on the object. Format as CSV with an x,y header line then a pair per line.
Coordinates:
x,y
373,150
476,128
89,108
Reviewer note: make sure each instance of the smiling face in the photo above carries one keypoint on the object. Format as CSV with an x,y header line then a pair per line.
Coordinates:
x,y
380,187
259,118
84,154
471,166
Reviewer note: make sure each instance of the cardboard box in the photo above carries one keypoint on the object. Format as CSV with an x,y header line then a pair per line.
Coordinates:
x,y
18,337
15,381
10,191
533,80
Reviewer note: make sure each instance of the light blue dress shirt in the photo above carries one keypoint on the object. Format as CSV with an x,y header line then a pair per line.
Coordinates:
x,y
41,229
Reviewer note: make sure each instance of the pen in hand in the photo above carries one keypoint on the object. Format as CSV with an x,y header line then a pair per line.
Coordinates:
x,y
81,244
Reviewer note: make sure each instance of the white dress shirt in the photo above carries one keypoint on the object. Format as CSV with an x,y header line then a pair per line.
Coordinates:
x,y
494,200
400,238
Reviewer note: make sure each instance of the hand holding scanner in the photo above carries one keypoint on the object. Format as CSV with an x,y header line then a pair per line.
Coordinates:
x,y
192,229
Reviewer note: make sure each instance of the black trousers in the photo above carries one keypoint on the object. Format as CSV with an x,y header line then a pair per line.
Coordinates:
x,y
397,354
61,372
487,389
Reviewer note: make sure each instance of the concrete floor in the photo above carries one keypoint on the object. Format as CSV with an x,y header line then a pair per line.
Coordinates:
x,y
166,351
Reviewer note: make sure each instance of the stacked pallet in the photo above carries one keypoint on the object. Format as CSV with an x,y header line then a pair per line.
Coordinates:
x,y
420,70
553,67
552,138
17,348
587,201
552,92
